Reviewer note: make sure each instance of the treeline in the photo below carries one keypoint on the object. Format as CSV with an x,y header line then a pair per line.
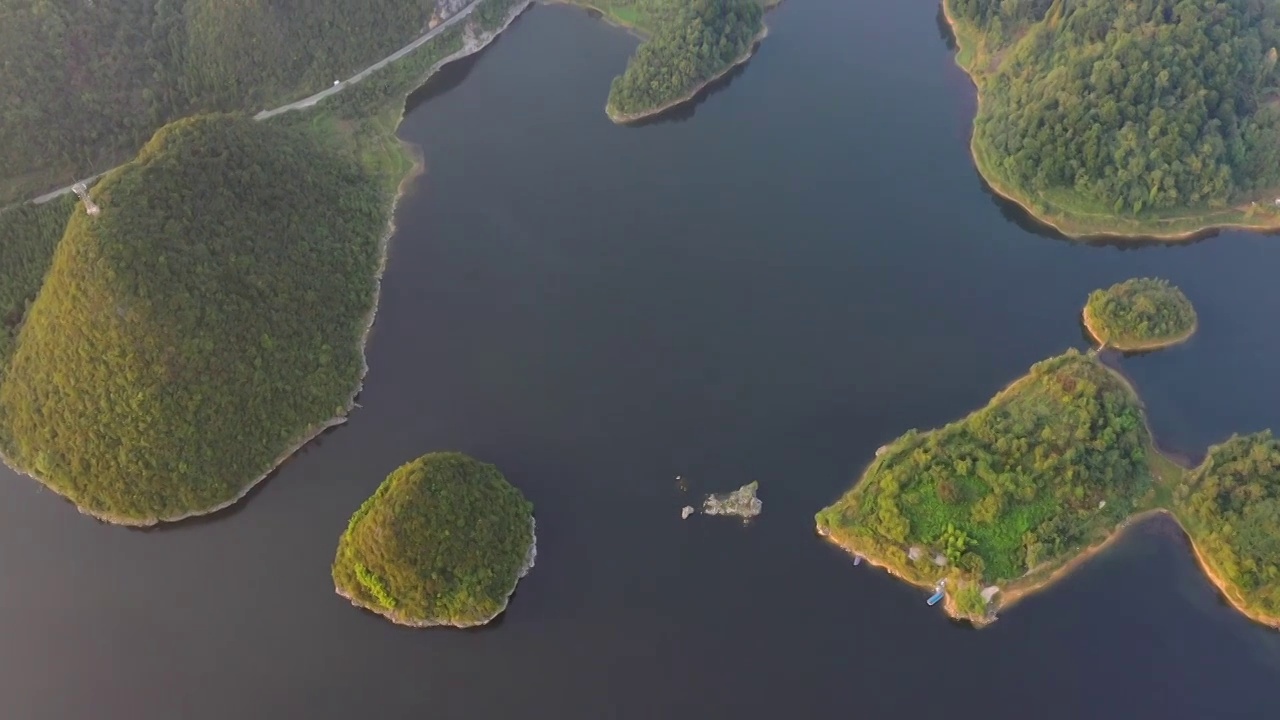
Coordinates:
x,y
208,318
1231,508
1133,107
85,84
687,46
441,541
28,236
1011,486
1140,311
1000,20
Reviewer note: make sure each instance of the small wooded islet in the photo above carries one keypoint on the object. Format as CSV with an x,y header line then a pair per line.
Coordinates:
x,y
1140,314
443,541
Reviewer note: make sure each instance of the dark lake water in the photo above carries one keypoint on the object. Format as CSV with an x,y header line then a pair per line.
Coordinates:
x,y
765,289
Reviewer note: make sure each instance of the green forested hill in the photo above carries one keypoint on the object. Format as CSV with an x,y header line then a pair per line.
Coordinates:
x,y
28,236
205,321
443,541
86,83
1096,107
1140,314
690,42
1231,508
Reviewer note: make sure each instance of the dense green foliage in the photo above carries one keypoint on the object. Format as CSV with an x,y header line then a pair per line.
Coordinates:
x,y
1126,107
28,236
1140,312
688,45
85,83
442,541
1013,485
1232,511
208,319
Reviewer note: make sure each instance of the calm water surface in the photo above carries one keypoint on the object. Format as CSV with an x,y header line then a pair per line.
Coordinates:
x,y
767,289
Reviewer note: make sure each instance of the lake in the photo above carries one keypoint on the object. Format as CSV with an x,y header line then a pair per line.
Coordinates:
x,y
766,288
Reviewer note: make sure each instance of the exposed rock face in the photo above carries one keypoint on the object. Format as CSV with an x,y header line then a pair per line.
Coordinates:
x,y
685,512
741,502
989,592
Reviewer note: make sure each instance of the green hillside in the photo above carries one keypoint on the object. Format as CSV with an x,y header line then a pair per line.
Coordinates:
x,y
28,236
1155,116
86,83
688,44
204,323
443,541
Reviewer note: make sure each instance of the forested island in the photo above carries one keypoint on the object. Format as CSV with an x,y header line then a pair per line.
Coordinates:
x,y
687,45
1140,314
443,541
1006,500
1158,118
209,320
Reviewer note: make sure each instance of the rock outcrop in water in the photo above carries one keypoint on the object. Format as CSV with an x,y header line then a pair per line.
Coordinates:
x,y
741,502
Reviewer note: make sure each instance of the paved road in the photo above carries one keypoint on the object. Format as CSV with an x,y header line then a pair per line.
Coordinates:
x,y
312,100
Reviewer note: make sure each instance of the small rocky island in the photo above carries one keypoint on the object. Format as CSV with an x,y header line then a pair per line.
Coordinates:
x,y
1140,314
443,541
741,502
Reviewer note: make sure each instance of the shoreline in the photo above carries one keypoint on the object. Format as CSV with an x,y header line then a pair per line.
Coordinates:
x,y
1021,588
530,558
629,118
1161,344
1063,223
470,46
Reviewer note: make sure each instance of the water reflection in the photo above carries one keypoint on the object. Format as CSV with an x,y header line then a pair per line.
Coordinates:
x,y
450,75
1018,215
944,30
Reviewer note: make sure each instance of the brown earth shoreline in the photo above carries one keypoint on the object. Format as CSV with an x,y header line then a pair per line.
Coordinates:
x,y
1064,225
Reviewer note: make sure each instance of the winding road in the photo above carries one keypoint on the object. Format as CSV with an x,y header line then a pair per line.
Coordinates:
x,y
311,100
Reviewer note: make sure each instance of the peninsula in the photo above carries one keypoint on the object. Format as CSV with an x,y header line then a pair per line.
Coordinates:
x,y
1150,120
1012,497
688,46
175,351
1139,314
443,541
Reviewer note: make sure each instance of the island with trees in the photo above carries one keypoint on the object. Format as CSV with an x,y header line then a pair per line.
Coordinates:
x,y
1008,499
688,45
443,541
207,323
1140,314
1156,119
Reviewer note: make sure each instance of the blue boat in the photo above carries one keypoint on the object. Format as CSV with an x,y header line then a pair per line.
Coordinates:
x,y
938,592
857,559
